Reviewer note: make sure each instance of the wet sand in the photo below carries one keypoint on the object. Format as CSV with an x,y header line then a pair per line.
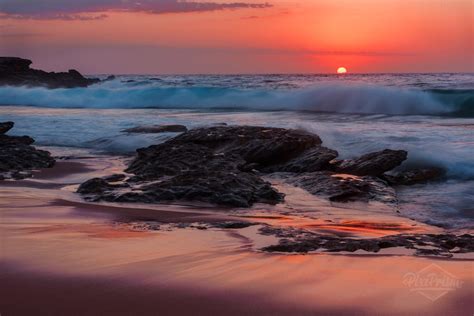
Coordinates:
x,y
61,255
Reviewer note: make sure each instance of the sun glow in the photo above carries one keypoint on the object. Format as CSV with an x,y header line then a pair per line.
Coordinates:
x,y
341,70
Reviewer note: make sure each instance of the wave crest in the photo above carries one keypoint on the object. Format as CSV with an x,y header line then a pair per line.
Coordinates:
x,y
322,98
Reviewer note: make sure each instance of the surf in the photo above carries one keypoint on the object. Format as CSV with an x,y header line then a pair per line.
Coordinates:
x,y
334,98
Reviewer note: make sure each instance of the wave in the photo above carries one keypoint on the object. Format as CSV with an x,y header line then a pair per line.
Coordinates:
x,y
322,98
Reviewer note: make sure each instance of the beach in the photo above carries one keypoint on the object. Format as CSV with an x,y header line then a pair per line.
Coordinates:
x,y
62,255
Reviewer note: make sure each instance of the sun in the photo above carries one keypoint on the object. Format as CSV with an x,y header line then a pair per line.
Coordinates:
x,y
341,70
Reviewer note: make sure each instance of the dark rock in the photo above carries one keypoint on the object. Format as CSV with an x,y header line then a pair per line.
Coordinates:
x,y
414,176
313,159
218,187
169,159
5,127
6,140
344,188
94,186
157,129
221,164
221,147
17,72
443,245
255,144
17,157
208,165
373,164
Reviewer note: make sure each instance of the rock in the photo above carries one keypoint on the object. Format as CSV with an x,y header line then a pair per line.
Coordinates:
x,y
17,157
5,127
237,189
344,188
313,159
222,164
15,140
207,165
157,129
414,176
215,147
168,159
372,164
443,245
255,144
16,71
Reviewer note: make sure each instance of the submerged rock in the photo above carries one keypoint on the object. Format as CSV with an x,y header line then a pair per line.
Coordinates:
x,y
373,164
16,71
18,156
157,129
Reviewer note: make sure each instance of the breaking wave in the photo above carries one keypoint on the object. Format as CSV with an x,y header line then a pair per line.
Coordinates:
x,y
360,99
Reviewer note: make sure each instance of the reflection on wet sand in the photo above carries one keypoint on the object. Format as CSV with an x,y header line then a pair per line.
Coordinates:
x,y
60,254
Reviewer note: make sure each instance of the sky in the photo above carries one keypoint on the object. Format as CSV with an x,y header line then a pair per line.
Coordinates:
x,y
240,36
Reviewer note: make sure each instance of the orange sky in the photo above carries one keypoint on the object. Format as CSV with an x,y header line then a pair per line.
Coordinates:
x,y
287,37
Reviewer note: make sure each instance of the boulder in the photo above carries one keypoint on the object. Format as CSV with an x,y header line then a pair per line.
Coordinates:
x,y
16,71
372,164
157,129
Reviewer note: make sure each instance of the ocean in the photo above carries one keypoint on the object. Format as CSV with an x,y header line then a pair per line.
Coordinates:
x,y
429,115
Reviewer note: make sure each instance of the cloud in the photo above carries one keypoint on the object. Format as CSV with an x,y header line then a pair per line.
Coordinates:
x,y
89,9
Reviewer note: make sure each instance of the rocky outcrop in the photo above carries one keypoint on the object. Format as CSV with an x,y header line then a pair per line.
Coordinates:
x,y
215,147
224,164
209,165
16,71
155,129
314,159
18,157
373,164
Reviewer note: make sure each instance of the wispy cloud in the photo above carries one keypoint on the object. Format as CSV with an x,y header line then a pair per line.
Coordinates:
x,y
90,9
